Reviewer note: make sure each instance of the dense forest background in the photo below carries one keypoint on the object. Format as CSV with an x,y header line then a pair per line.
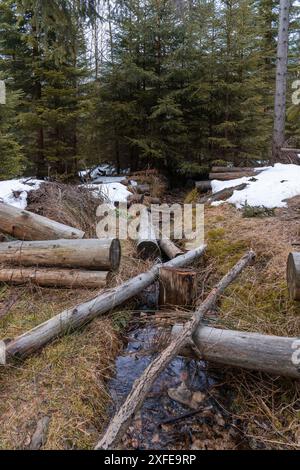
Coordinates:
x,y
172,84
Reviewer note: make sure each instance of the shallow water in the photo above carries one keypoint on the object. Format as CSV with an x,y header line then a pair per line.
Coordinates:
x,y
151,428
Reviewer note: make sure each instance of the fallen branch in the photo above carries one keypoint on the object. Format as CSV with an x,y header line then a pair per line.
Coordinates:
x,y
223,194
73,318
265,353
26,225
142,386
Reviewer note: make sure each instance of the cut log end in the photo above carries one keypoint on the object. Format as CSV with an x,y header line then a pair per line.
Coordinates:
x,y
115,254
293,275
148,249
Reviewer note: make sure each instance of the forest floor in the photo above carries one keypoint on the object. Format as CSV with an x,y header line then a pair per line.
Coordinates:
x,y
68,381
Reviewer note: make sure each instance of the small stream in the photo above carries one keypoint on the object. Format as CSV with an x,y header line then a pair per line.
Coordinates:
x,y
162,422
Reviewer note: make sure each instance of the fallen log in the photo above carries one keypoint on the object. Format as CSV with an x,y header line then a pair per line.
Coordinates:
x,y
95,254
254,351
50,277
231,176
177,287
26,225
223,194
233,169
203,186
169,248
142,386
293,275
142,189
147,246
73,318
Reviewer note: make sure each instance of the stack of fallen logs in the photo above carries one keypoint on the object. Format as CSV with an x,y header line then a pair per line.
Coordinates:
x,y
52,254
224,173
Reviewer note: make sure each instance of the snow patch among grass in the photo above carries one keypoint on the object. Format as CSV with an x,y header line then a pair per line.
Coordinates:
x,y
270,188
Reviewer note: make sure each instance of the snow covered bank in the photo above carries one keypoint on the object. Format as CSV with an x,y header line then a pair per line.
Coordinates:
x,y
14,192
113,192
270,188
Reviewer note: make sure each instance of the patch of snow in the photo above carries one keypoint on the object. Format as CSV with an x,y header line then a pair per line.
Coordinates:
x,y
113,192
271,188
14,192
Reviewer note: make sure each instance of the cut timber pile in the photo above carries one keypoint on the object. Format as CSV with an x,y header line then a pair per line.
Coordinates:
x,y
293,275
68,278
26,225
89,253
73,318
270,354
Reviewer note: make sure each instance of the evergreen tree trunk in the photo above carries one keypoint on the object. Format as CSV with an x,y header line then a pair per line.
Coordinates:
x,y
281,80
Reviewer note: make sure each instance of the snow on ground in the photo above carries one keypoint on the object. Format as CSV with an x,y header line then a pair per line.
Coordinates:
x,y
14,192
113,192
271,188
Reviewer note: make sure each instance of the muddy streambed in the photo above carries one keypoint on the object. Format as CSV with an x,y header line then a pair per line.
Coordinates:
x,y
188,406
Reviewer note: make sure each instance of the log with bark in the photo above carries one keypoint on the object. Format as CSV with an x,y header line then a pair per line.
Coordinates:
x,y
169,248
53,277
254,351
73,318
203,186
143,385
222,195
95,254
177,287
293,275
26,225
231,176
147,246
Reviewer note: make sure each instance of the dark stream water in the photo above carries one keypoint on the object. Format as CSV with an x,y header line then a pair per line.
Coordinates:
x,y
162,422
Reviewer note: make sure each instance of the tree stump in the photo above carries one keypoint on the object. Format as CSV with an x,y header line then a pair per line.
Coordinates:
x,y
177,287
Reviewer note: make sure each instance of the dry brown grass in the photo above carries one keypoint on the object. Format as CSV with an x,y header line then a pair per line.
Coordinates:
x,y
66,381
158,184
268,407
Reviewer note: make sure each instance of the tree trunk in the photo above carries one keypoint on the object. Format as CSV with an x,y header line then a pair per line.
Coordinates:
x,y
49,277
147,246
26,225
95,254
143,385
293,275
231,176
271,354
169,248
177,287
73,318
281,80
